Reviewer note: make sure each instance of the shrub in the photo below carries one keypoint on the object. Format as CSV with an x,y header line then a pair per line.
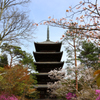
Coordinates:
x,y
16,80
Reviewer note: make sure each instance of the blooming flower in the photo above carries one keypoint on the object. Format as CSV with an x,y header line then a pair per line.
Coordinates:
x,y
69,96
98,92
5,96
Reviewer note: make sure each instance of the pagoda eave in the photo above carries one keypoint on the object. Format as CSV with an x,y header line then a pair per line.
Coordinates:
x,y
48,53
48,66
54,63
47,56
47,46
41,86
42,74
48,43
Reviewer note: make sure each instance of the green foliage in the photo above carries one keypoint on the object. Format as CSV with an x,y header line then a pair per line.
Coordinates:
x,y
89,54
1,77
14,51
33,95
28,61
3,60
33,77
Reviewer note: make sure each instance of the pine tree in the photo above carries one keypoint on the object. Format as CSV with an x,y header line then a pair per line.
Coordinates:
x,y
3,60
89,54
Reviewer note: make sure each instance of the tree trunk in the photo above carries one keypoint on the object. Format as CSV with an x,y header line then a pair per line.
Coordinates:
x,y
11,61
75,66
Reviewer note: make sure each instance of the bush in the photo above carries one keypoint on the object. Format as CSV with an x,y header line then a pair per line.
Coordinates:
x,y
16,80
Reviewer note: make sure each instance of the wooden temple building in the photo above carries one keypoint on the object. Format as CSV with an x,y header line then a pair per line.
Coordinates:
x,y
47,57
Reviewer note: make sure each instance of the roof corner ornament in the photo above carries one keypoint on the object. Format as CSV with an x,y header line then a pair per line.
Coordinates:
x,y
47,33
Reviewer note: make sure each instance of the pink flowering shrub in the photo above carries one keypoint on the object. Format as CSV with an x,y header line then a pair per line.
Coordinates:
x,y
69,96
98,92
5,96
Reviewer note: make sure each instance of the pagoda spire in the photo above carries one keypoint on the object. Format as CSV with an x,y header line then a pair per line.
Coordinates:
x,y
48,33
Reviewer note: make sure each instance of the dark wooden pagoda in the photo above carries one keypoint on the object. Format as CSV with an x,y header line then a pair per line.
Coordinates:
x,y
47,57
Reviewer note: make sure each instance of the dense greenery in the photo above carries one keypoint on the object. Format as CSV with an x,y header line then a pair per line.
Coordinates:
x,y
3,60
89,54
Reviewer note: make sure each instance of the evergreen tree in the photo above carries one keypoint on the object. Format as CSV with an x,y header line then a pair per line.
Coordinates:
x,y
89,54
3,60
27,61
15,52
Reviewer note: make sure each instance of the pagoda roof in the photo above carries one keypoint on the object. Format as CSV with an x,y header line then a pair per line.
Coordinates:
x,y
45,67
48,53
47,42
47,56
47,46
41,86
48,63
42,74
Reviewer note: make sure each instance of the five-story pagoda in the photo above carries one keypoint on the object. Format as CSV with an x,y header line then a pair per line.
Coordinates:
x,y
47,57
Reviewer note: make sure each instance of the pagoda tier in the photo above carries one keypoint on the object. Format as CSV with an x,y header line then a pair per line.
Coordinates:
x,y
43,67
43,78
47,56
47,46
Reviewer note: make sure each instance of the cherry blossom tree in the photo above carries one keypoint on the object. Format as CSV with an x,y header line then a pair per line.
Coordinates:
x,y
86,83
87,22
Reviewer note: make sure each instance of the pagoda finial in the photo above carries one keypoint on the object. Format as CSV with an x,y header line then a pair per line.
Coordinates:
x,y
48,33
